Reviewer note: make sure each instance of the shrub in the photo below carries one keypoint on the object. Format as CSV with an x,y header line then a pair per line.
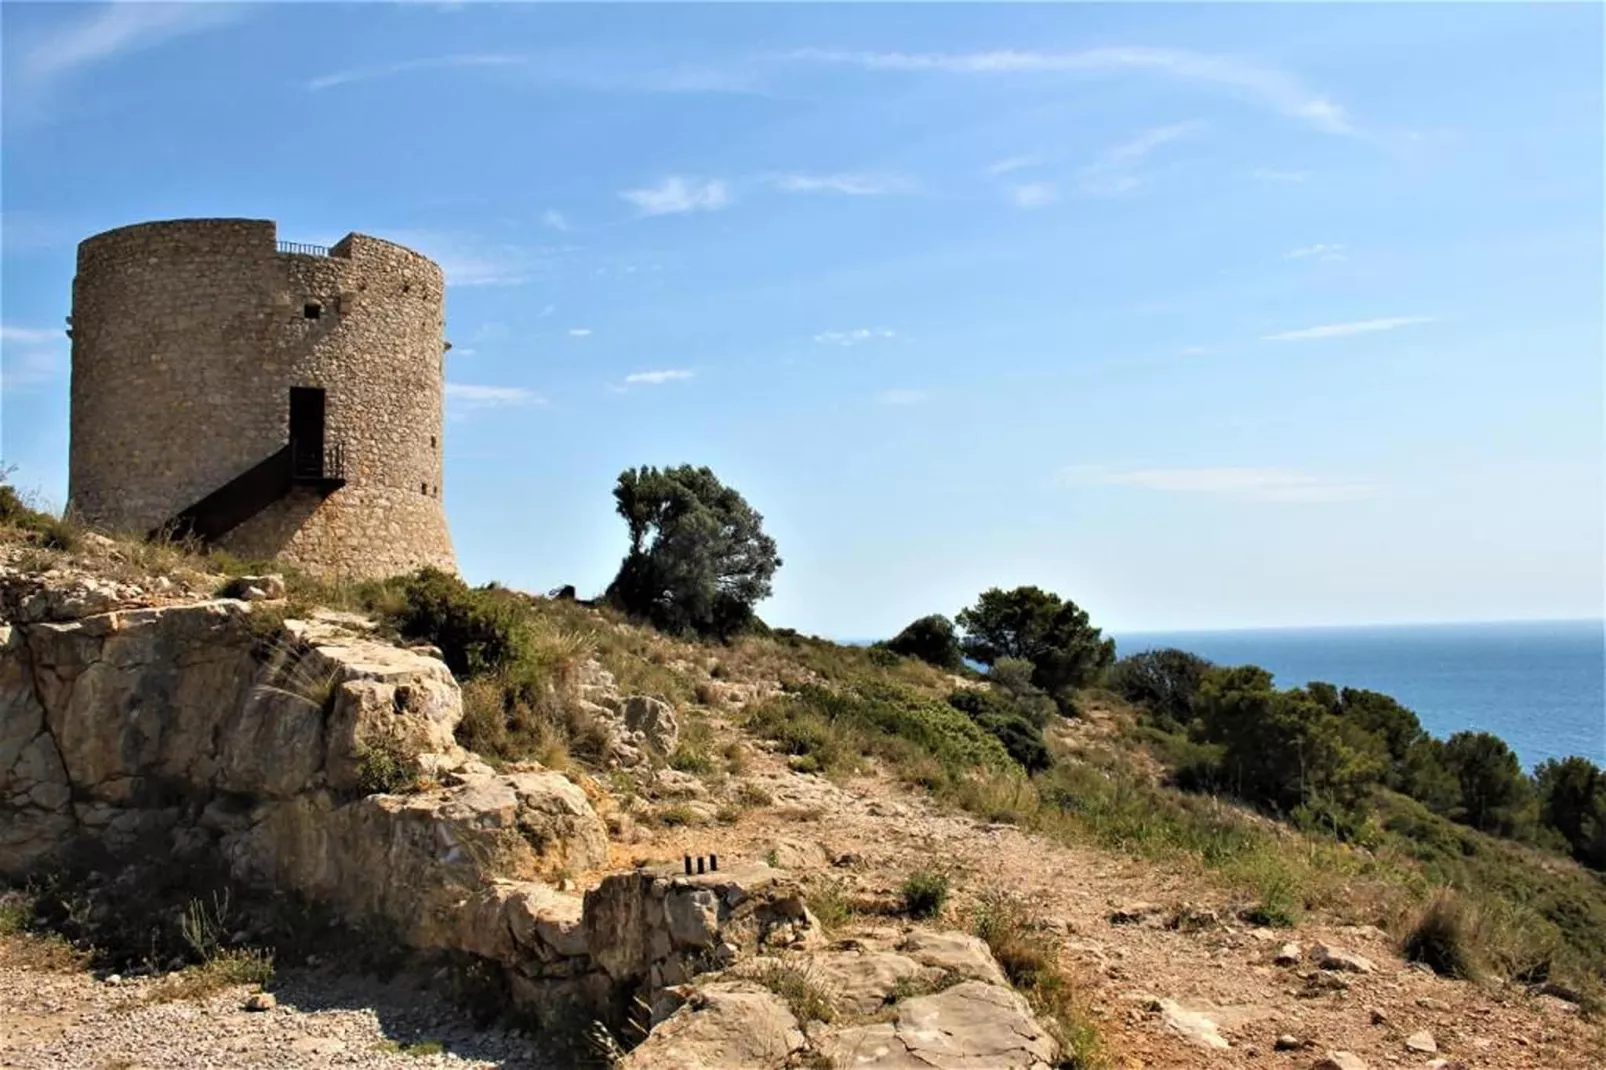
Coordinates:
x,y
932,640
49,531
1004,719
805,993
1442,937
477,631
923,893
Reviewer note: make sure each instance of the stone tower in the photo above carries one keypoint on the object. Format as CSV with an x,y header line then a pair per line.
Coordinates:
x,y
277,400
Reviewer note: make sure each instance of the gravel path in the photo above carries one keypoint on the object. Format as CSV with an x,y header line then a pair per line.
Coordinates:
x,y
73,1020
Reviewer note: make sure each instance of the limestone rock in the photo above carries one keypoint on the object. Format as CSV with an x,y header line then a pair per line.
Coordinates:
x,y
967,1026
1289,954
861,982
1192,1024
958,953
1422,1042
654,719
1340,1060
260,1001
268,587
1333,958
728,1025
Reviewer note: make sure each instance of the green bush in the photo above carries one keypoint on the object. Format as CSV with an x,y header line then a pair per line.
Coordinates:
x,y
932,640
1004,719
1164,682
477,631
923,893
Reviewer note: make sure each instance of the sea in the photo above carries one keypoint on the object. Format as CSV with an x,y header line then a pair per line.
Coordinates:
x,y
1539,685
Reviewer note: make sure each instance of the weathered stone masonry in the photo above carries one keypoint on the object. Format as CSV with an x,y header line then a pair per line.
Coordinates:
x,y
186,338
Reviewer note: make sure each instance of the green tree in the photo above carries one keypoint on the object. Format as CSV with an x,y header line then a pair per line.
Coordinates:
x,y
932,640
699,559
1493,787
1165,682
1572,800
1426,776
1284,747
1013,676
1052,633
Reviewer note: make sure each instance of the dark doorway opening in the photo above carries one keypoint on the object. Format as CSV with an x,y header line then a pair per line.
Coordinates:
x,y
306,431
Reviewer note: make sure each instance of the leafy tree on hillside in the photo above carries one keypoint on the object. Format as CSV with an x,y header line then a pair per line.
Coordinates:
x,y
1284,747
1493,787
1013,676
1165,682
1572,800
1395,726
1052,633
699,559
932,640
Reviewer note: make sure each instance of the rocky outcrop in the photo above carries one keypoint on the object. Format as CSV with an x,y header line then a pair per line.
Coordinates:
x,y
307,756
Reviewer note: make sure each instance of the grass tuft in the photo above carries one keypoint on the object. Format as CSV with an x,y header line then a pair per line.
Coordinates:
x,y
923,893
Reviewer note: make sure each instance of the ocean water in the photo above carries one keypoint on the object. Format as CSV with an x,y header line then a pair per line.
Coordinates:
x,y
1540,686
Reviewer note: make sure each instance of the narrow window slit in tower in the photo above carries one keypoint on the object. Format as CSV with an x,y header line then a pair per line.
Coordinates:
x,y
312,310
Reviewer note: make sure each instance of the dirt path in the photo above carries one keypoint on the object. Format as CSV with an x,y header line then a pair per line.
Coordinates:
x,y
1222,967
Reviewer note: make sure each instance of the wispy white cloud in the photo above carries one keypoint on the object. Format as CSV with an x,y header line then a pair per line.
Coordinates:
x,y
1247,484
1013,163
853,337
1327,252
902,397
853,185
408,66
113,29
1116,170
1033,194
1344,330
1270,88
657,378
579,332
31,335
554,219
675,195
1267,174
478,396
30,356
546,310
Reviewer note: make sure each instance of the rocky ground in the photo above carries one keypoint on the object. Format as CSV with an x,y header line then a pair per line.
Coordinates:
x,y
77,1020
1174,978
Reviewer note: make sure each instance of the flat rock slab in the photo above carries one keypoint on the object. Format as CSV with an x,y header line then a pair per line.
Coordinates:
x,y
971,1026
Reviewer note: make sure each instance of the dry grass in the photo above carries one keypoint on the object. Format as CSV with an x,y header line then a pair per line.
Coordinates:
x,y
1024,949
234,966
799,984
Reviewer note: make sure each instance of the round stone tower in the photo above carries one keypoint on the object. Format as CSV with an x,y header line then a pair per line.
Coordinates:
x,y
277,400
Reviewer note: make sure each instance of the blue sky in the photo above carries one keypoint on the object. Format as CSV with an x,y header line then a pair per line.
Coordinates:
x,y
1203,316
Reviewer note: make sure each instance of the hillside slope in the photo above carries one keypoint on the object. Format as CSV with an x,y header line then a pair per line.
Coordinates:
x,y
1153,927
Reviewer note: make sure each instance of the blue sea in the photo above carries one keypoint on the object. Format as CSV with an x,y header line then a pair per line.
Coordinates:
x,y
1540,686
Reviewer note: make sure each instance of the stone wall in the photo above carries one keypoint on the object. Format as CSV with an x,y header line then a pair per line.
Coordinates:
x,y
187,336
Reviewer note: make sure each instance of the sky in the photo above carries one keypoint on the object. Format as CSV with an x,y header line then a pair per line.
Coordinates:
x,y
1202,316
